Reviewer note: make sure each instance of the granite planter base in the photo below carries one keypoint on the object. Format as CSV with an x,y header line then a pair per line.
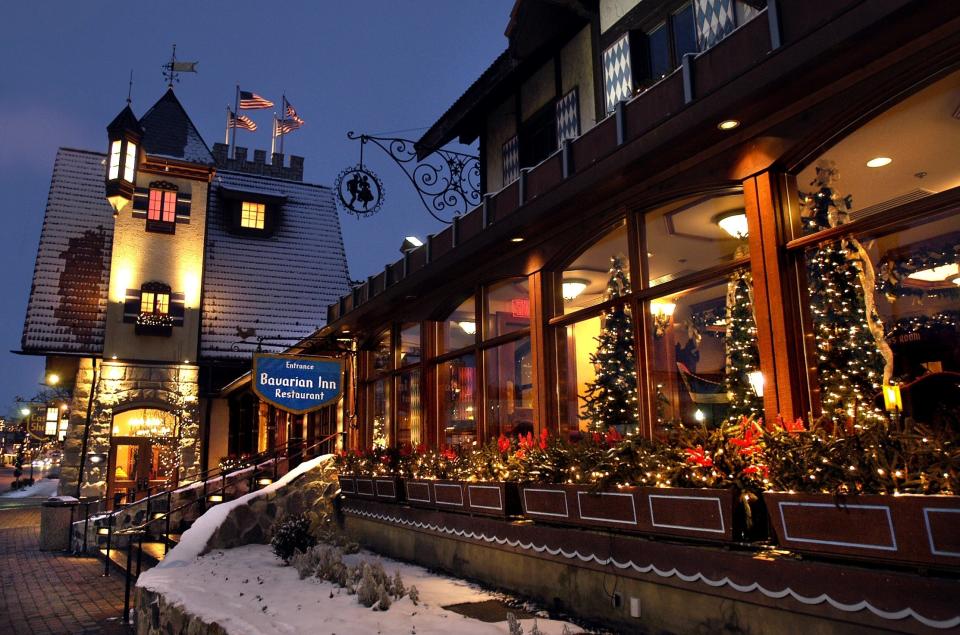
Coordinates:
x,y
705,514
908,529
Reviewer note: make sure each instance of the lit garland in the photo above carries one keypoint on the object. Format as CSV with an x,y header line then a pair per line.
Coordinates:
x,y
894,272
154,319
918,323
611,399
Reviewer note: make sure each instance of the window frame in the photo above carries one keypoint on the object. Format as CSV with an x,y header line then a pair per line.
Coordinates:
x,y
258,214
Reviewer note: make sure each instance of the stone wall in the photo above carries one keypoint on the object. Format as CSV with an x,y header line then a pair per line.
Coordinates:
x,y
312,493
156,616
119,386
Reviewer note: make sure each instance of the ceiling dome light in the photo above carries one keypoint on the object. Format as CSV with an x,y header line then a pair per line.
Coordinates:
x,y
728,124
734,223
517,239
572,287
879,162
936,274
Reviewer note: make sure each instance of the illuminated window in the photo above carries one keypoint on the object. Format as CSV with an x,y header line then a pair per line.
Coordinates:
x,y
53,419
151,302
251,215
115,159
130,162
163,206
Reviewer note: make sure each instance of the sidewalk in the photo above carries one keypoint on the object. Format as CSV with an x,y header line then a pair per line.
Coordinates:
x,y
50,592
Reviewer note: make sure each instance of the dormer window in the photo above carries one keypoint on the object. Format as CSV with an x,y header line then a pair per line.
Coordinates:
x,y
252,215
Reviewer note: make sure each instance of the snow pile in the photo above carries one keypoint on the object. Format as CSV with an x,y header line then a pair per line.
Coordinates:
x,y
248,591
43,488
196,538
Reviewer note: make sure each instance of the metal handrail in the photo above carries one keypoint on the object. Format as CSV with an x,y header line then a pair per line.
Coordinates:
x,y
142,529
207,474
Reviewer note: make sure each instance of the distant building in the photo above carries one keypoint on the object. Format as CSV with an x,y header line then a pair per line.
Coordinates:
x,y
160,266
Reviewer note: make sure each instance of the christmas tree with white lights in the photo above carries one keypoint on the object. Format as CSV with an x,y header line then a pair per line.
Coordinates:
x,y
743,358
610,400
850,360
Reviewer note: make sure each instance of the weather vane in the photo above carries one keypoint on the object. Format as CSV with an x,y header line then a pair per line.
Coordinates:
x,y
447,182
173,68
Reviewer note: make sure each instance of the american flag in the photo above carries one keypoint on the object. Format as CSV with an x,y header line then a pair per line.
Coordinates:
x,y
286,126
291,112
242,121
253,101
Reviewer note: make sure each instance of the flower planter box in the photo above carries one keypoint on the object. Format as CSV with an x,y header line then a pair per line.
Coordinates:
x,y
706,514
908,529
348,485
385,488
418,492
484,498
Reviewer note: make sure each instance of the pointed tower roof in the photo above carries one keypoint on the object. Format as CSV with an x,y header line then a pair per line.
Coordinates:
x,y
168,132
126,121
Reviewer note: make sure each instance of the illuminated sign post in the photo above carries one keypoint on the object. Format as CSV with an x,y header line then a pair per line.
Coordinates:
x,y
297,384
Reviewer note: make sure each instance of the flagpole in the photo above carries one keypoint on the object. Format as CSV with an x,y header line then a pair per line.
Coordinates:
x,y
236,111
283,113
273,136
226,131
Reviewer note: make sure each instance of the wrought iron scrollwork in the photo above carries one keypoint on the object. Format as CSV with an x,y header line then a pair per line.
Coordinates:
x,y
448,182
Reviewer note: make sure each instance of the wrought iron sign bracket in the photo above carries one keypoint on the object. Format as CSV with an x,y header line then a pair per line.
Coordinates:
x,y
447,182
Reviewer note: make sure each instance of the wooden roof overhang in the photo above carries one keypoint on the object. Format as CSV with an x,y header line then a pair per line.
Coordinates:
x,y
793,101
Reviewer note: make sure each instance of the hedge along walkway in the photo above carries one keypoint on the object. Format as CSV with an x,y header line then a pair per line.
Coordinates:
x,y
46,592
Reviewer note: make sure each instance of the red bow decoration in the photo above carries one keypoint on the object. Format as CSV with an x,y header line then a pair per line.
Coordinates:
x,y
503,444
613,436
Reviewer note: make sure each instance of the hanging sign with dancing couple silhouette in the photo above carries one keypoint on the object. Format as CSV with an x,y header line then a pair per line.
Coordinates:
x,y
359,191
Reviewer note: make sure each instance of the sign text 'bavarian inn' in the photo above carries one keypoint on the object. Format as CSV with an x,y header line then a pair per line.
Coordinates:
x,y
297,384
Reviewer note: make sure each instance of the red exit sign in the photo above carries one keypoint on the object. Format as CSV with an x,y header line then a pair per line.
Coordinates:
x,y
520,307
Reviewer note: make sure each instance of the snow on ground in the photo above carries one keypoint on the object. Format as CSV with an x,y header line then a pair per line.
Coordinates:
x,y
248,591
42,488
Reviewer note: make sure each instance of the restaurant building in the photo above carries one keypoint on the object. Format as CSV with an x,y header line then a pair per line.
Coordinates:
x,y
726,208
162,267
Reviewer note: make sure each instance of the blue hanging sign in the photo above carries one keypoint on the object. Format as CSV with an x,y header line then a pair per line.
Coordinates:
x,y
297,384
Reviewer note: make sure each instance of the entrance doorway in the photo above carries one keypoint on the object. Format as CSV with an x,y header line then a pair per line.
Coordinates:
x,y
142,449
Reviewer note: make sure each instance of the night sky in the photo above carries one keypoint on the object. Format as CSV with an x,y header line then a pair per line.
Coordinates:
x,y
369,66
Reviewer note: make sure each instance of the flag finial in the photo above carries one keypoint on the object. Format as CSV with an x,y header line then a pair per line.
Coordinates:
x,y
130,88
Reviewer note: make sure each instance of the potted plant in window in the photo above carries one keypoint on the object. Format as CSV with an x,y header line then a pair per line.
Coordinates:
x,y
872,490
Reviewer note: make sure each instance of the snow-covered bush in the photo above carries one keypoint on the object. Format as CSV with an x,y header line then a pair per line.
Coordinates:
x,y
292,535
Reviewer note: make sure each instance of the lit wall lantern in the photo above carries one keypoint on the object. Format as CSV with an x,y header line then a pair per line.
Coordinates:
x,y
756,382
124,134
891,398
662,313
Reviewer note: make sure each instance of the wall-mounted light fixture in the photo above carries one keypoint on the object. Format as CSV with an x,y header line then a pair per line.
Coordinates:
x,y
662,313
756,382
